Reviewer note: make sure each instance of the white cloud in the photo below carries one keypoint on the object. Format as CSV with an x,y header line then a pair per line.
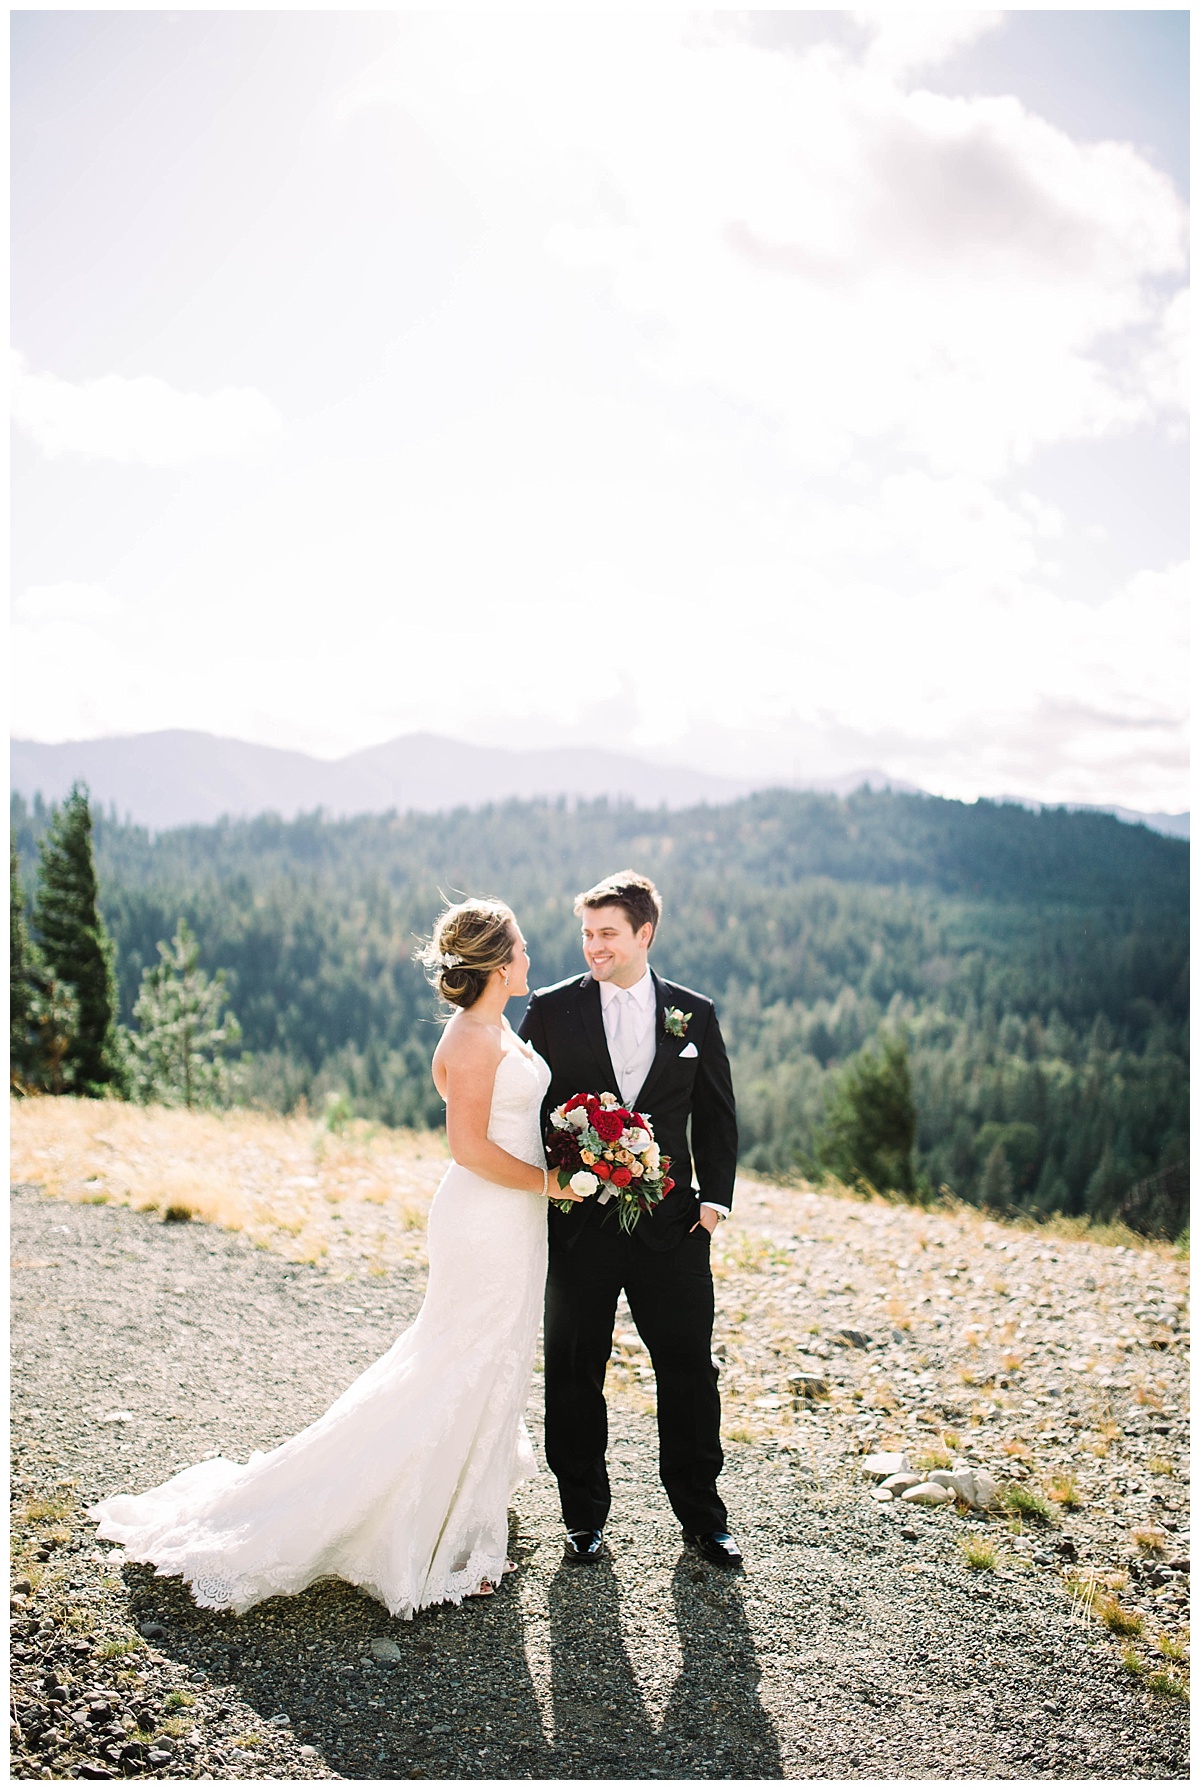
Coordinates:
x,y
876,270
47,604
141,421
1164,371
731,423
969,686
79,670
902,42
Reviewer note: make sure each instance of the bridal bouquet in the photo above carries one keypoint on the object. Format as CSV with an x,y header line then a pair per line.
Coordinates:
x,y
594,1142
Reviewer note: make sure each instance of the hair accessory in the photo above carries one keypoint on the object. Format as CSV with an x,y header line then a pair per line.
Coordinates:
x,y
444,960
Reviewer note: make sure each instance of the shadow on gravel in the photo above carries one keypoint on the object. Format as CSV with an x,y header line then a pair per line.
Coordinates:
x,y
460,1702
714,1725
717,1686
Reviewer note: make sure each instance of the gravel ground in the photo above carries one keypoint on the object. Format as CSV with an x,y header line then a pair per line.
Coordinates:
x,y
858,1643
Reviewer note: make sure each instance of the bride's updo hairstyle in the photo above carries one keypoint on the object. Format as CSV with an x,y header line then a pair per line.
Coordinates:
x,y
470,940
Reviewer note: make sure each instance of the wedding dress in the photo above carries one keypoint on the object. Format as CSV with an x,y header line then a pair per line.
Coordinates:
x,y
403,1486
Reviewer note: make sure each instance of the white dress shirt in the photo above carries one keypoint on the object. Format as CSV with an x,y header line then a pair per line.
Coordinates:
x,y
632,1073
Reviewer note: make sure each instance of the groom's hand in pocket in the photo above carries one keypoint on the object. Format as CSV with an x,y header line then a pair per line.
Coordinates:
x,y
709,1217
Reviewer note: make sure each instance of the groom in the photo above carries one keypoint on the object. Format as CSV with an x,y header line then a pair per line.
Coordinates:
x,y
622,1029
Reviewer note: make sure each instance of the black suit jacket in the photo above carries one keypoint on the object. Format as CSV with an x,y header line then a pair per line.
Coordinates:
x,y
565,1025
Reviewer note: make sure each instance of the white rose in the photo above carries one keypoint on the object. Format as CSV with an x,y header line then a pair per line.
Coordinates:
x,y
652,1158
578,1117
584,1184
609,1100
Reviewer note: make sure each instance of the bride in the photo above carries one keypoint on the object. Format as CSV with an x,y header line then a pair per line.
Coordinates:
x,y
402,1487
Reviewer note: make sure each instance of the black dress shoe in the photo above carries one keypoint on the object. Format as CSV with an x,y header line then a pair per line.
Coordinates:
x,y
716,1545
583,1546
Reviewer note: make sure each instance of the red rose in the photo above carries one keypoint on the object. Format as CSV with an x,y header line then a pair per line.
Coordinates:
x,y
602,1169
579,1100
621,1177
619,1112
607,1126
667,1185
640,1121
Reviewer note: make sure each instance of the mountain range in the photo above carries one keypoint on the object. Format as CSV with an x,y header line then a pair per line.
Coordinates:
x,y
181,777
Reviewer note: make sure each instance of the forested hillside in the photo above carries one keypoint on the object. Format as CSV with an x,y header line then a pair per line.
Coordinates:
x,y
1036,961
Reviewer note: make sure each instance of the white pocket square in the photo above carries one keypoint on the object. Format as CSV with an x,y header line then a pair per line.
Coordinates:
x,y
689,1050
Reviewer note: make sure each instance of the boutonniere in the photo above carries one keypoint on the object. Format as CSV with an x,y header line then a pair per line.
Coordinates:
x,y
676,1022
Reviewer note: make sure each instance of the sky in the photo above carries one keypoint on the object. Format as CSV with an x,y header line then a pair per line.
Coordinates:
x,y
779,393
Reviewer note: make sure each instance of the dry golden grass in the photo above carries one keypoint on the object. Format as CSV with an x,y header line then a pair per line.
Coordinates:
x,y
979,1553
971,1219
1107,1432
176,1726
289,1184
1169,1684
1117,1619
1063,1489
745,1251
54,1509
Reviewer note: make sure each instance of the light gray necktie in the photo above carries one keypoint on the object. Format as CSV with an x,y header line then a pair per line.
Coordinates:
x,y
624,1042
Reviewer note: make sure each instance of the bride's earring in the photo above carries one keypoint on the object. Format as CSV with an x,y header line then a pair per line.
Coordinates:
x,y
504,977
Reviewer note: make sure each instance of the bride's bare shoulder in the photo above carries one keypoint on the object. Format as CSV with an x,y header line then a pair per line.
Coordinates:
x,y
467,1044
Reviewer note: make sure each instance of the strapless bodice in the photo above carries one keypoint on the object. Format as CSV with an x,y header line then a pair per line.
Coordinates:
x,y
515,1121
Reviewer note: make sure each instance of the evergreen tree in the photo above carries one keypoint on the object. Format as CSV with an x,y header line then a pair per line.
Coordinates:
x,y
993,937
76,946
181,1038
870,1124
55,1021
996,1184
22,985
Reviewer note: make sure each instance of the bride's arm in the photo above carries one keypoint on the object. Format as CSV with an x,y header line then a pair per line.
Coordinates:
x,y
470,1062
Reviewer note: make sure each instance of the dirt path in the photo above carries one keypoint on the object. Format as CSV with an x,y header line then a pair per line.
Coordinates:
x,y
845,1650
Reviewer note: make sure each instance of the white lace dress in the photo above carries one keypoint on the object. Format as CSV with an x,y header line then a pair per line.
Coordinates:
x,y
403,1485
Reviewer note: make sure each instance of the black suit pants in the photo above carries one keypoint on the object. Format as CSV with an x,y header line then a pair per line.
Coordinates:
x,y
670,1294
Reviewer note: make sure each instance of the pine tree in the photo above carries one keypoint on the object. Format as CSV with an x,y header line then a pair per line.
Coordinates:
x,y
870,1125
55,1023
76,947
996,1183
182,1036
22,985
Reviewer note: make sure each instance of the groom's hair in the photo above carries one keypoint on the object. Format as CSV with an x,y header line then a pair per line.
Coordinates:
x,y
636,894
